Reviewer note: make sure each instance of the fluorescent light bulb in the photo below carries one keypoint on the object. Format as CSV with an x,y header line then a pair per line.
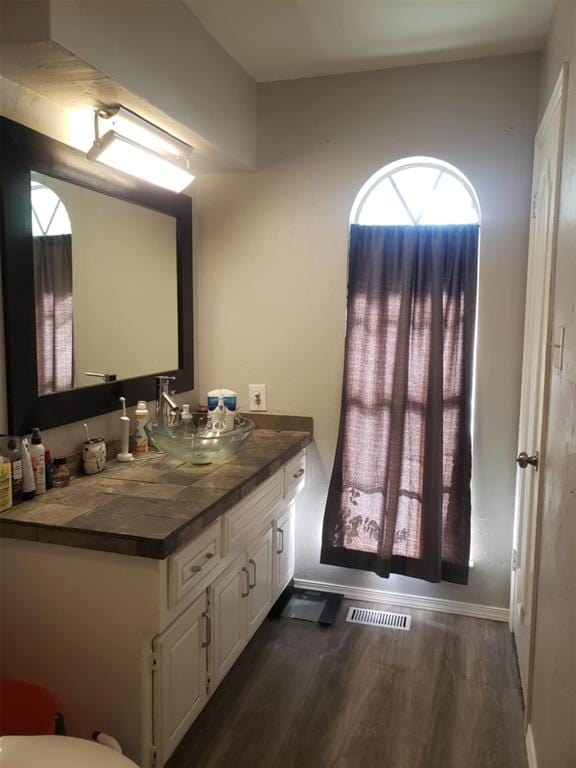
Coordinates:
x,y
128,156
136,128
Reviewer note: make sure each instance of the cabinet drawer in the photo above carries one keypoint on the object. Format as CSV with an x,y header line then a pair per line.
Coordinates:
x,y
252,513
295,475
190,566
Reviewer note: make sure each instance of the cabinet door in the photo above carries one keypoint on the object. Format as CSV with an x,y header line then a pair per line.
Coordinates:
x,y
180,678
260,568
228,597
284,550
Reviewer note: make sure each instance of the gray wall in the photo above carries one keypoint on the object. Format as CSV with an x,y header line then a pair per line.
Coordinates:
x,y
272,267
554,699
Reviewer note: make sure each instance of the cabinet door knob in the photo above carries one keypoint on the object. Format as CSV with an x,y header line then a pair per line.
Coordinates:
x,y
253,564
298,474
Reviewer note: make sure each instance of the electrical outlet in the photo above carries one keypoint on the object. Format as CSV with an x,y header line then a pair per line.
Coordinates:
x,y
257,395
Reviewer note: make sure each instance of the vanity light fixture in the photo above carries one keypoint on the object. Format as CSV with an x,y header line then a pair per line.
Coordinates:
x,y
137,147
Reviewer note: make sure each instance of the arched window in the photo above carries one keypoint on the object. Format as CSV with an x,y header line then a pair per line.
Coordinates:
x,y
399,496
49,215
416,190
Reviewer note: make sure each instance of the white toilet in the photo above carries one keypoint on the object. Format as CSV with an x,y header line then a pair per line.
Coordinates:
x,y
58,752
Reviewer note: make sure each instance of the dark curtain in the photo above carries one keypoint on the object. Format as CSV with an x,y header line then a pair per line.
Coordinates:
x,y
54,323
399,497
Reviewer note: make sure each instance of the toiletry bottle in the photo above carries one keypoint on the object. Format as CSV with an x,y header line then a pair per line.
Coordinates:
x,y
141,438
28,483
49,469
5,484
61,473
14,456
37,454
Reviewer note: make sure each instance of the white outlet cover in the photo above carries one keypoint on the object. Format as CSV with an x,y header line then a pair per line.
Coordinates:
x,y
257,392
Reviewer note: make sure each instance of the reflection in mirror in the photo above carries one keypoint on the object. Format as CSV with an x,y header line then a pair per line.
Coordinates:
x,y
105,279
52,247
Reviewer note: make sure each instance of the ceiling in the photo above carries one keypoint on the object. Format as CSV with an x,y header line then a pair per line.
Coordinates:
x,y
284,39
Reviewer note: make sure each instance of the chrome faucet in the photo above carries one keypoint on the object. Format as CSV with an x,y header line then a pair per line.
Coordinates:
x,y
166,406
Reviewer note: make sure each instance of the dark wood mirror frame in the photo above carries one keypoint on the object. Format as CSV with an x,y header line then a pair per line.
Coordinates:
x,y
22,151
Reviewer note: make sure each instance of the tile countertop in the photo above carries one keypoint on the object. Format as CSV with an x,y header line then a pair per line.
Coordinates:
x,y
154,505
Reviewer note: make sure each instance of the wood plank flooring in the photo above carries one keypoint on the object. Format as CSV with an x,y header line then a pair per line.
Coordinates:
x,y
444,695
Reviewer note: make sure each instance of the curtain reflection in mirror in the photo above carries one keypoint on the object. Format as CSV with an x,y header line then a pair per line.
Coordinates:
x,y
54,322
52,246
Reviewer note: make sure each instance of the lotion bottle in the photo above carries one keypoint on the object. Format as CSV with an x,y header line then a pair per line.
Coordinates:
x,y
141,438
38,456
28,484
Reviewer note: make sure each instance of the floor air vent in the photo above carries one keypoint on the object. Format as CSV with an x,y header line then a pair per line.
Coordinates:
x,y
379,618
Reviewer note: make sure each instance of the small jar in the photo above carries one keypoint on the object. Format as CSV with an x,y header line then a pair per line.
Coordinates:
x,y
61,474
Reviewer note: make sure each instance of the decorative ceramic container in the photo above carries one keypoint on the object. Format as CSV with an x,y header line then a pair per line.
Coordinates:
x,y
94,455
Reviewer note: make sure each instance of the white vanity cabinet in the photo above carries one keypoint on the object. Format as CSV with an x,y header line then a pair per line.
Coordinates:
x,y
245,576
135,646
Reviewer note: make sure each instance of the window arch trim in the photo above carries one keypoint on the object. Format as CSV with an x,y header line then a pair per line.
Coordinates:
x,y
406,163
54,215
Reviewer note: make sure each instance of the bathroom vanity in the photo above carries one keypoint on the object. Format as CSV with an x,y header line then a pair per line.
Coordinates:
x,y
131,594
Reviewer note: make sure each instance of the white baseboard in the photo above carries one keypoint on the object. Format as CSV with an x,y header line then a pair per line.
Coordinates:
x,y
409,601
530,748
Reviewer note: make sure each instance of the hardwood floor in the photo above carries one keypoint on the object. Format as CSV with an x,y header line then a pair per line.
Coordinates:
x,y
444,695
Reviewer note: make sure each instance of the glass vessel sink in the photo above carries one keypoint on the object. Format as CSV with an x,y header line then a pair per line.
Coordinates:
x,y
198,445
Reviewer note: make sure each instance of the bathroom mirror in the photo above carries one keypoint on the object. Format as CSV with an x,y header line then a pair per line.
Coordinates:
x,y
97,280
98,263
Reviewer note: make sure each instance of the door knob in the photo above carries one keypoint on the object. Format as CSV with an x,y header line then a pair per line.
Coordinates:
x,y
524,460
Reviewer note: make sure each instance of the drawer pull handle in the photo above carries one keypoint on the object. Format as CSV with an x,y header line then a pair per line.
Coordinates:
x,y
298,474
280,532
208,640
253,564
198,568
245,594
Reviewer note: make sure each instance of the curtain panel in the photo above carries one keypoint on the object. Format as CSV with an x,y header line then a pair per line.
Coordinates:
x,y
399,496
54,320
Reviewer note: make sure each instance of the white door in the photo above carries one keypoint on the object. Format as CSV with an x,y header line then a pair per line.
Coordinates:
x,y
180,678
284,550
545,191
260,565
228,612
